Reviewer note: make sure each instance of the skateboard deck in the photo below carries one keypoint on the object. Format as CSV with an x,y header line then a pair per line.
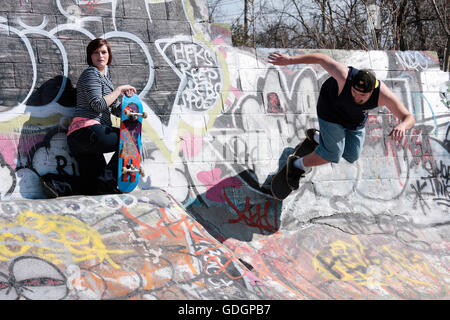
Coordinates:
x,y
279,186
129,164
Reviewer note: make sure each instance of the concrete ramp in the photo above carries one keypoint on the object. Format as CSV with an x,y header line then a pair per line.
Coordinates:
x,y
140,246
202,224
145,246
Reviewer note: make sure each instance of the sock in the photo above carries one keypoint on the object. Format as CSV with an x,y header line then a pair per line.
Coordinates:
x,y
299,164
316,136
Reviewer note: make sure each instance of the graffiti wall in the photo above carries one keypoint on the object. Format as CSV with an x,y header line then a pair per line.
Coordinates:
x,y
221,121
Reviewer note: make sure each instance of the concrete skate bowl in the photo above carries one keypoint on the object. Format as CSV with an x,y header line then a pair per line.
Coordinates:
x,y
202,225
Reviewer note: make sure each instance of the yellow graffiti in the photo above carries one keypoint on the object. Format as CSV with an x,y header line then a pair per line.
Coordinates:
x,y
344,261
17,124
148,131
51,237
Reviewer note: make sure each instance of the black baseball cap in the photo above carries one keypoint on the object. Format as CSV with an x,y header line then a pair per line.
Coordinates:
x,y
364,81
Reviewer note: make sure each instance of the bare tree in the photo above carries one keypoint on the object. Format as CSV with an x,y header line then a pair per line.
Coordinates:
x,y
212,9
346,24
442,11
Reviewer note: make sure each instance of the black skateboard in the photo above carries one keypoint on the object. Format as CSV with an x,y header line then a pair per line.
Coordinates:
x,y
279,186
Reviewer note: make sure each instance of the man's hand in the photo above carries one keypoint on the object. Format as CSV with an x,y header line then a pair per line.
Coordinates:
x,y
398,133
392,102
279,59
335,69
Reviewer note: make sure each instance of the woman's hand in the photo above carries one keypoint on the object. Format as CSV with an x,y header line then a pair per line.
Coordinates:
x,y
118,92
127,90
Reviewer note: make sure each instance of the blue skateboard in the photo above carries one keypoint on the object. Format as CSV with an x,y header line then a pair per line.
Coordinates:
x,y
129,164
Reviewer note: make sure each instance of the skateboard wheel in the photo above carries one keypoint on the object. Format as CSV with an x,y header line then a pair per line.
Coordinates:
x,y
141,171
124,170
127,113
144,115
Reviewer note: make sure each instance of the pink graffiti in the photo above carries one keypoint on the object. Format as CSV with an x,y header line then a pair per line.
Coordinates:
x,y
11,152
376,130
237,93
91,4
21,3
191,145
223,51
219,42
215,186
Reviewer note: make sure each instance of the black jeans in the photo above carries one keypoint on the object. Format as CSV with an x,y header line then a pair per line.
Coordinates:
x,y
87,145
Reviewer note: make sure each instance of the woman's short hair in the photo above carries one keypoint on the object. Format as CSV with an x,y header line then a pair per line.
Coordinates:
x,y
94,45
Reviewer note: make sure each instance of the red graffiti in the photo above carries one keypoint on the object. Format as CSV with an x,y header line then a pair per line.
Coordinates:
x,y
416,145
274,103
253,217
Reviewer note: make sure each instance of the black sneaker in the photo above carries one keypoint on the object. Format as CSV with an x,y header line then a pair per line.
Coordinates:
x,y
294,174
47,187
310,135
55,186
104,186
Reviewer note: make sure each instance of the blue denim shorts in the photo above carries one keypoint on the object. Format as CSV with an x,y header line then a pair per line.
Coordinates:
x,y
337,142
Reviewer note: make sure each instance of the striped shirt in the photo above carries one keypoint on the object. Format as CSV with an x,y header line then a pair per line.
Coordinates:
x,y
91,88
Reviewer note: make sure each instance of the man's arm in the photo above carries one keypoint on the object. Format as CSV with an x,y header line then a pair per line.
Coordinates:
x,y
337,70
389,99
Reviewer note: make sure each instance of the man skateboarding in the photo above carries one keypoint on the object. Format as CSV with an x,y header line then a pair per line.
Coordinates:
x,y
342,109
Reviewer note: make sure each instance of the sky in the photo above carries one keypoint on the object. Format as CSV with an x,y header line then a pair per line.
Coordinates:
x,y
227,10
